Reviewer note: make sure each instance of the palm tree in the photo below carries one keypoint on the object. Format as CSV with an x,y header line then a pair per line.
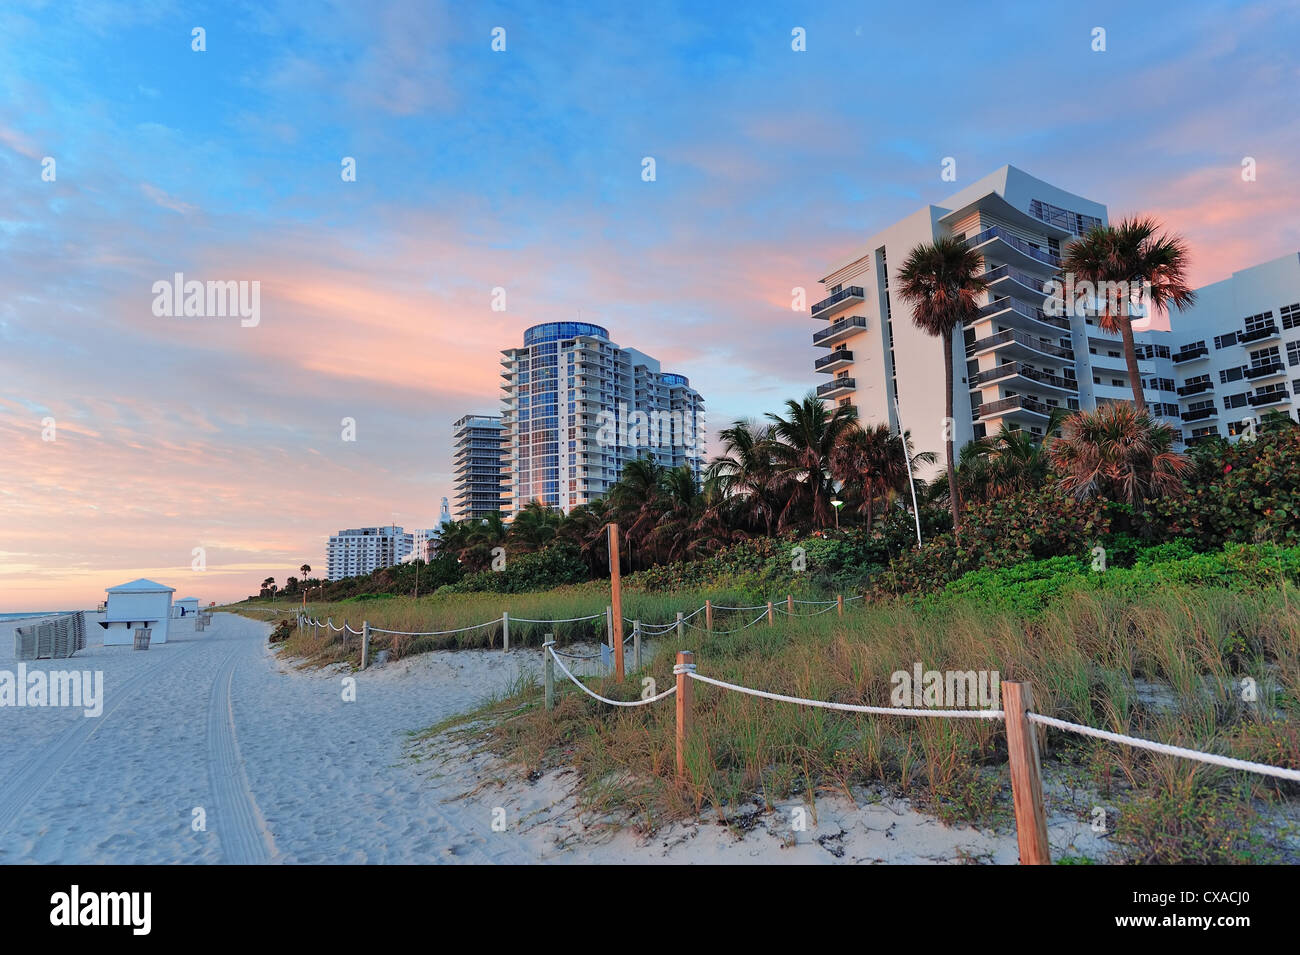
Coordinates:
x,y
682,506
744,472
484,535
941,281
635,500
871,463
1011,460
305,569
801,448
269,585
1119,451
535,526
1137,255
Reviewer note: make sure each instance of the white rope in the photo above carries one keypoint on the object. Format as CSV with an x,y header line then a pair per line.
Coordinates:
x,y
566,620
811,613
596,696
332,627
349,629
434,633
577,656
1212,758
755,607
847,707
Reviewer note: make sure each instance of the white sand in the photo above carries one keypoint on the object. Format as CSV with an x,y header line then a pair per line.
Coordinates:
x,y
286,771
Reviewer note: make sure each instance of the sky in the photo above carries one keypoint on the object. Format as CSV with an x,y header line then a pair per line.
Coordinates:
x,y
129,439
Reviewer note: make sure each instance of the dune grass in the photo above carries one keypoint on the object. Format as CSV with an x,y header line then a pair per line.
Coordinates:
x,y
1167,667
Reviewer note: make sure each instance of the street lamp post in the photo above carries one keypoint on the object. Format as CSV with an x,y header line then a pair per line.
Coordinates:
x,y
837,504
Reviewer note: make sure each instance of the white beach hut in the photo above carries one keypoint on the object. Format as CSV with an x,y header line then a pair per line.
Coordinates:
x,y
140,603
186,607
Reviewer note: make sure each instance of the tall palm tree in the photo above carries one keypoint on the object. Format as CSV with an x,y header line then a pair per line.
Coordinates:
x,y
744,472
801,447
305,569
1136,254
682,507
1119,451
941,281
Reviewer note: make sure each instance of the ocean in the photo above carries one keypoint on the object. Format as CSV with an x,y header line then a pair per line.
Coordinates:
x,y
31,613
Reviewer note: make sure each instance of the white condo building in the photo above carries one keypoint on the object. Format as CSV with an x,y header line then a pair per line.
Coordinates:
x,y
477,460
579,408
1015,362
1237,350
361,550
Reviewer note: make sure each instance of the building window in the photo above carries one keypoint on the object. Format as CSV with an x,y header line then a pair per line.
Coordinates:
x,y
1293,353
1234,401
1291,315
1263,320
1229,374
1225,341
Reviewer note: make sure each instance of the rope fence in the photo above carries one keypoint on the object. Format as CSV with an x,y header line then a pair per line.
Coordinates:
x,y
1022,740
639,628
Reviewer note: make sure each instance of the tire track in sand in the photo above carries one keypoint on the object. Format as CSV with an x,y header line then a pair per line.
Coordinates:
x,y
241,828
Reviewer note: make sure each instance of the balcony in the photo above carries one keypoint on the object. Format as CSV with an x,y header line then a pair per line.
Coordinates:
x,y
1020,345
1200,414
1195,388
1010,312
1269,398
836,387
1268,370
1004,280
844,296
1027,375
1012,405
835,360
1258,334
838,331
1034,254
1191,354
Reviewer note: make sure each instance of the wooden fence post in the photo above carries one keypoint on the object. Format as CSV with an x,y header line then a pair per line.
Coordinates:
x,y
365,644
681,626
1026,776
770,619
789,604
708,615
636,644
616,600
505,631
683,711
839,600
548,669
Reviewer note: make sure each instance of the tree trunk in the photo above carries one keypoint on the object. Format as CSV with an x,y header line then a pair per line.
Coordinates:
x,y
1131,360
950,427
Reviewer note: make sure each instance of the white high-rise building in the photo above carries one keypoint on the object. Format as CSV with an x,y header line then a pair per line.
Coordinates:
x,y
360,550
1015,362
477,459
1237,350
579,408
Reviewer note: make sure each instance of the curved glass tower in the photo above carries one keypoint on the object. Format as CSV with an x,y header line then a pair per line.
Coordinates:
x,y
578,408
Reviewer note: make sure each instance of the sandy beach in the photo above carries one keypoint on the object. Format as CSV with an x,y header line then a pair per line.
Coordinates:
x,y
279,768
